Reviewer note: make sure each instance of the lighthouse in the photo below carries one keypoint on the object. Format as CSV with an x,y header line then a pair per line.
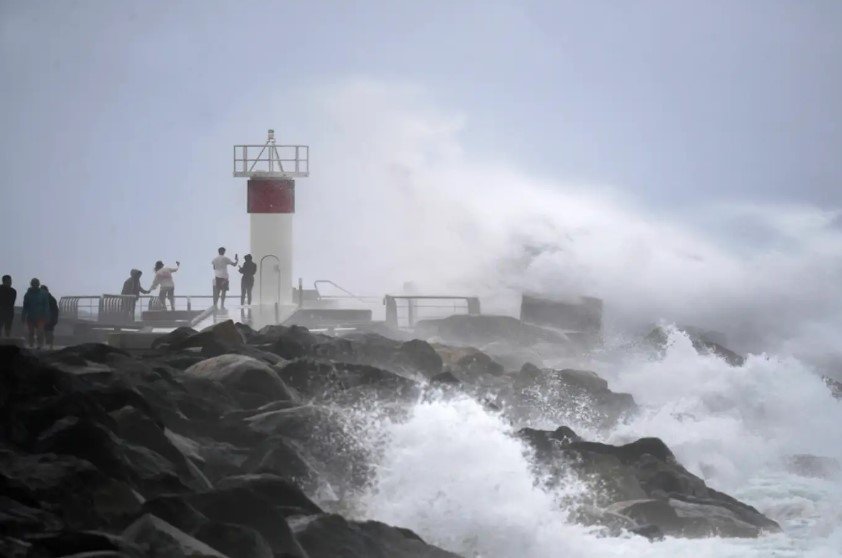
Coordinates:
x,y
271,170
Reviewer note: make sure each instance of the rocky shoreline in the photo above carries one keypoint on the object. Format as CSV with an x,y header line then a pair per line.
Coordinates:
x,y
241,443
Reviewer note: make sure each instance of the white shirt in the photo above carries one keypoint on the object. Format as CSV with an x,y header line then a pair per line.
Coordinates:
x,y
163,277
220,266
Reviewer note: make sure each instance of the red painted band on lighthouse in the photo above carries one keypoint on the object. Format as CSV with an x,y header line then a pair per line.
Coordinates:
x,y
271,196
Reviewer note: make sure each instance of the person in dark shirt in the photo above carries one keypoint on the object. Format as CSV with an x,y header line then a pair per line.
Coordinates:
x,y
36,313
248,269
131,287
8,296
50,326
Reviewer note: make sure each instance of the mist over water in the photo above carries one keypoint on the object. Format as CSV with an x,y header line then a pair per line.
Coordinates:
x,y
454,473
410,199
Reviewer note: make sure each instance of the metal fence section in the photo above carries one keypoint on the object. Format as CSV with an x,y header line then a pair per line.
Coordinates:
x,y
406,311
123,308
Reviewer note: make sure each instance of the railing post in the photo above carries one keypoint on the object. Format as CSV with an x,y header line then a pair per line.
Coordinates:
x,y
189,306
300,292
277,313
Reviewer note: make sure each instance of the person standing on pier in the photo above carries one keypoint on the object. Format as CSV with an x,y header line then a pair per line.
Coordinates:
x,y
248,269
220,275
8,296
131,287
163,277
52,320
36,313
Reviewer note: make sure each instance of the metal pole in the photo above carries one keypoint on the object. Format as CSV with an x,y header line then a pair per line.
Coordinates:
x,y
300,292
277,313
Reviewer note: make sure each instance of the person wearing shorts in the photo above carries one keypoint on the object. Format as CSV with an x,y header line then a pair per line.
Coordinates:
x,y
163,277
220,275
8,296
36,313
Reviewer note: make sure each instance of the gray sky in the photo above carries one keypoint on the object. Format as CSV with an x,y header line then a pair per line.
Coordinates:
x,y
118,118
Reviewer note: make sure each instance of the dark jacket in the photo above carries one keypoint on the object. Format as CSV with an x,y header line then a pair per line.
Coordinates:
x,y
248,269
51,323
36,305
8,296
132,285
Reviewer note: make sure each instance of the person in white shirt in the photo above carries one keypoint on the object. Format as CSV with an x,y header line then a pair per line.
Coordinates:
x,y
163,277
220,275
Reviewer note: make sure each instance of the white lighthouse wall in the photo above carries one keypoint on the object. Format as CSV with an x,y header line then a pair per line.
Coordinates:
x,y
271,235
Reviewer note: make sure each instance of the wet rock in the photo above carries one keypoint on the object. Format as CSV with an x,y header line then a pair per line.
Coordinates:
x,y
156,537
77,492
234,540
17,518
322,380
687,519
254,383
286,459
176,511
329,536
642,480
242,505
566,396
658,338
214,340
140,466
445,378
63,543
174,339
277,490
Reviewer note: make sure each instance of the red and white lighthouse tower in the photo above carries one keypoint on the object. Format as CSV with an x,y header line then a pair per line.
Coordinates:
x,y
271,171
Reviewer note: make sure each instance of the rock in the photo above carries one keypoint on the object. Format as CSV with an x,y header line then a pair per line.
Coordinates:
x,y
234,540
79,494
687,519
277,490
253,382
174,339
658,338
445,378
279,456
813,466
651,532
140,466
330,536
176,511
642,480
17,518
420,356
214,340
158,538
294,342
329,380
62,543
565,396
326,436
544,441
242,505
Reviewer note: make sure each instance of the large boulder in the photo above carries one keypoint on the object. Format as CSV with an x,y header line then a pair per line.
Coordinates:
x,y
643,481
565,396
703,344
346,382
330,536
75,491
217,339
254,383
234,540
156,537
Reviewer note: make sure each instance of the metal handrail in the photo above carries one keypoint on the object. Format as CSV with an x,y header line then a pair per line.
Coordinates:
x,y
347,292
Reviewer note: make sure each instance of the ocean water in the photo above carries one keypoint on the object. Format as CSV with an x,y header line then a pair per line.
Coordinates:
x,y
452,472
